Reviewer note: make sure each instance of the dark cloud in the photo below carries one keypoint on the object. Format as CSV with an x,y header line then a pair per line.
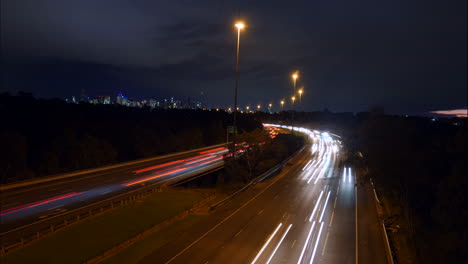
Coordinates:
x,y
406,55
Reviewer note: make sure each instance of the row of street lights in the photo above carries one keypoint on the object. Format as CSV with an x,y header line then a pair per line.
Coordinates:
x,y
295,76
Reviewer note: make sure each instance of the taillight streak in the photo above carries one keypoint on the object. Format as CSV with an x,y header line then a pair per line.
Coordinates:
x,y
34,204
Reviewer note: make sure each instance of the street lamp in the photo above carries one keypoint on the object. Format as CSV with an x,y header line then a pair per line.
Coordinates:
x,y
258,107
282,104
293,99
239,26
248,107
300,97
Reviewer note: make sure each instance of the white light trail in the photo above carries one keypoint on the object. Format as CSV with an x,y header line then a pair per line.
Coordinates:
x,y
349,173
316,205
279,243
306,243
316,243
266,243
306,165
324,207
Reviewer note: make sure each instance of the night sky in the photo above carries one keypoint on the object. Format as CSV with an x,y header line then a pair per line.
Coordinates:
x,y
404,55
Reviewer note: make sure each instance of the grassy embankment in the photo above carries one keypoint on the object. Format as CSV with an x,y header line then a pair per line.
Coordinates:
x,y
92,237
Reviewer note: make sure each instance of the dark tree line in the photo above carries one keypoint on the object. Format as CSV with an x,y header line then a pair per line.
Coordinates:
x,y
40,137
422,166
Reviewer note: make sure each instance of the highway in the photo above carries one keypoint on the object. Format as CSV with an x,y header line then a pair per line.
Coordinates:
x,y
310,213
21,206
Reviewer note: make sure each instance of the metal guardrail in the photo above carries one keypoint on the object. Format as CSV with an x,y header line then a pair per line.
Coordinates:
x,y
388,248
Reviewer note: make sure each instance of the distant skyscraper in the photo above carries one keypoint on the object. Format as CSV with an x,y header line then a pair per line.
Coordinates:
x,y
119,98
152,103
83,95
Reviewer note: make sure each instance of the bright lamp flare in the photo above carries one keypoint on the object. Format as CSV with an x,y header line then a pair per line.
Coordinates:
x,y
295,76
240,25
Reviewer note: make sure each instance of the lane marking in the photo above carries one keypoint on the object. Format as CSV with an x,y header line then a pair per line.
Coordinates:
x,y
266,243
261,211
238,233
325,244
279,244
294,242
331,220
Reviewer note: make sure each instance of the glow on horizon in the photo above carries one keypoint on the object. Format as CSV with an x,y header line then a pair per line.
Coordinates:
x,y
453,112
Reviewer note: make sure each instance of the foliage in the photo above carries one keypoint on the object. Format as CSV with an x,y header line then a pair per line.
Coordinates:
x,y
42,137
258,158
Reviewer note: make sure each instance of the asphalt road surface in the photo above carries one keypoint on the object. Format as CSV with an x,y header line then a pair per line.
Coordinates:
x,y
25,205
311,212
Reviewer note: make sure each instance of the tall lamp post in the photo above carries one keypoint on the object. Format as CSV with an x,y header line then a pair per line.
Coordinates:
x,y
293,99
294,76
239,26
300,97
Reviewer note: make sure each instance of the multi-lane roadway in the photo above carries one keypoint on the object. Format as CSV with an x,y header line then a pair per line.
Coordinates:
x,y
310,213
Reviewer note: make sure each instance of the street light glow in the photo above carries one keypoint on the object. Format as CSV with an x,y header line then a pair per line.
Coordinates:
x,y
258,106
300,92
293,98
295,76
240,25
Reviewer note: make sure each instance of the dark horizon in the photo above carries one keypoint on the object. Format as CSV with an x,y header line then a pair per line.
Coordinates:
x,y
407,57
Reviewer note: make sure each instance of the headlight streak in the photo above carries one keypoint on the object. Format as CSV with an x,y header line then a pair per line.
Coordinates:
x,y
349,173
266,243
316,243
306,165
325,206
306,243
316,206
326,149
279,243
